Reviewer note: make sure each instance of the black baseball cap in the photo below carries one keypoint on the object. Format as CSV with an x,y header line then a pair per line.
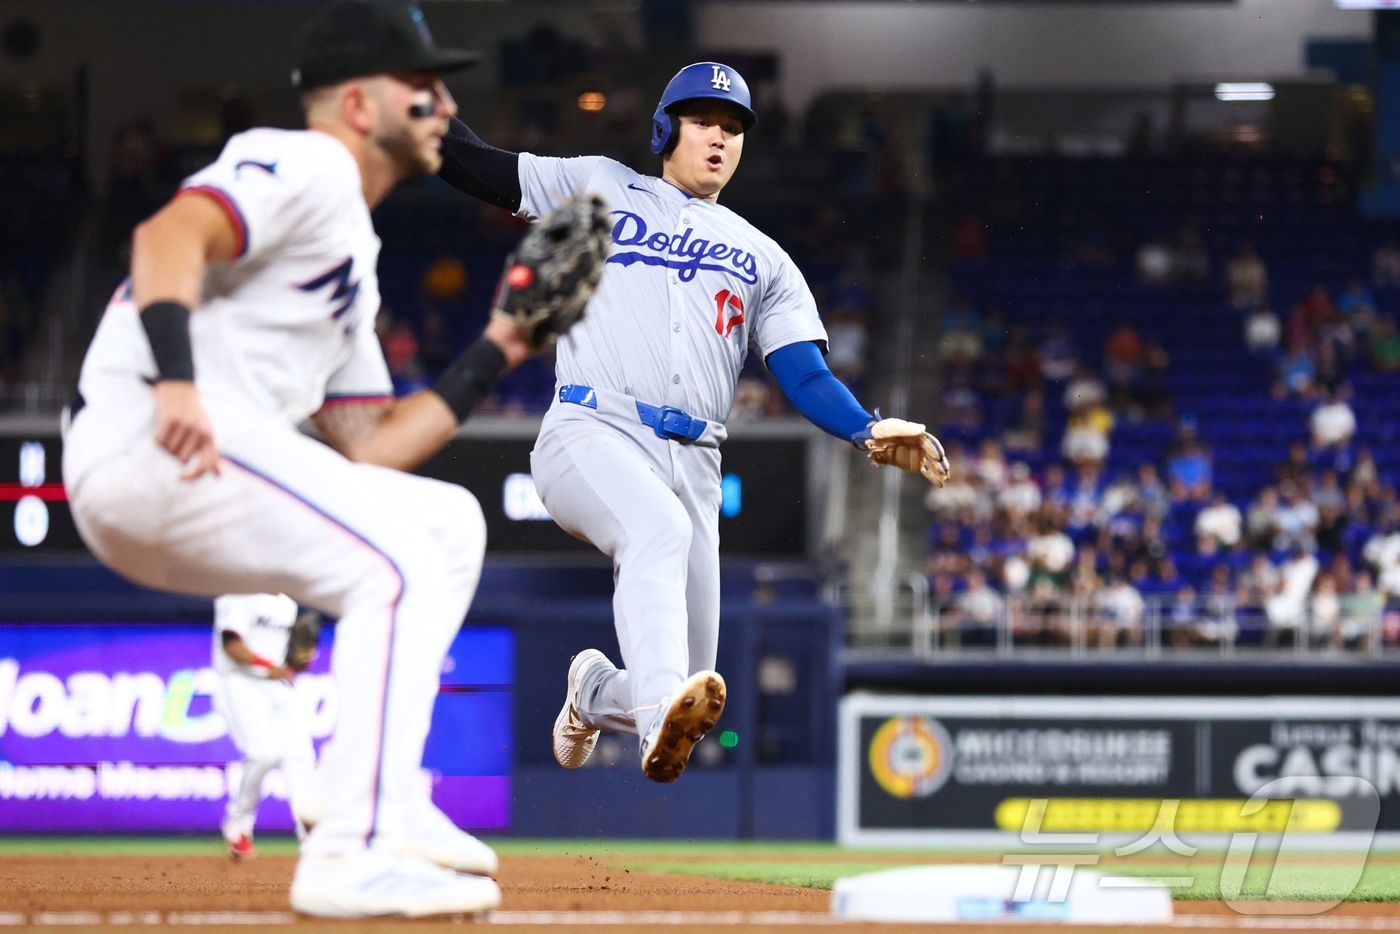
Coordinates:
x,y
355,38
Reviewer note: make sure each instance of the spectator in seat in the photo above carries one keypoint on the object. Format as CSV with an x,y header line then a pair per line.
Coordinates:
x,y
1181,618
1189,461
1042,620
1362,606
1167,579
1153,262
960,345
1357,306
1382,553
1221,521
979,611
1049,552
1383,346
1314,314
401,354
1023,373
1333,423
1296,467
1026,433
1090,422
1120,615
1327,491
1385,265
1262,330
1286,609
1124,353
1247,279
1218,622
1296,370
1258,581
1151,491
1296,520
990,464
1020,497
1324,613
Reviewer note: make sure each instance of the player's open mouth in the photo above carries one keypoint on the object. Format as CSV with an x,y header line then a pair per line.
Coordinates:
x,y
715,161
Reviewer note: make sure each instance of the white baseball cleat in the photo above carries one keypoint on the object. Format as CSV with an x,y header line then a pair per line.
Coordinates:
x,y
693,712
573,741
372,883
437,839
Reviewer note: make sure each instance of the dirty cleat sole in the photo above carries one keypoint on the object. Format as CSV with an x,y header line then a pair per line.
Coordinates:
x,y
693,712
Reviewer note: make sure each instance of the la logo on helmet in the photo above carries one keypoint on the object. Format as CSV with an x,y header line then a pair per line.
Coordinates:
x,y
720,79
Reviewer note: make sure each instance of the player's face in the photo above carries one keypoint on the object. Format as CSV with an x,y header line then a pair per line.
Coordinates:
x,y
414,110
708,148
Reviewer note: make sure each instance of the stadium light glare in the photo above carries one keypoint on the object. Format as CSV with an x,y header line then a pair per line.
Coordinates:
x,y
1244,91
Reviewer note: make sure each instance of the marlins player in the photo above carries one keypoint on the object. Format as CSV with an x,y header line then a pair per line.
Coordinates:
x,y
265,717
628,454
251,307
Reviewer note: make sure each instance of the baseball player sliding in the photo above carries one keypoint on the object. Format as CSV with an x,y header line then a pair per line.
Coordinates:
x,y
628,454
265,717
250,308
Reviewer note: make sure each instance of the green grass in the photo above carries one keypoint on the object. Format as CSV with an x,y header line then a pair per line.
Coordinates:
x,y
1327,877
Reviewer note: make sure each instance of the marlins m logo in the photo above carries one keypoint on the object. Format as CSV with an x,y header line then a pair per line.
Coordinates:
x,y
719,80
345,291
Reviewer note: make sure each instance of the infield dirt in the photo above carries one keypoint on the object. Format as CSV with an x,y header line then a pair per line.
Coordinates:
x,y
120,891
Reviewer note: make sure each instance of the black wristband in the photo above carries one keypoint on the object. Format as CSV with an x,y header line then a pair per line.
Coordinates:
x,y
469,378
167,327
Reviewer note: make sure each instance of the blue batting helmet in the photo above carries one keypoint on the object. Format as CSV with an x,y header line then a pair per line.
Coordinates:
x,y
701,80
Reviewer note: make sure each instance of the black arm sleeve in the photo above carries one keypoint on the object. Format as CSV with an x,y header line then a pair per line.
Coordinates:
x,y
480,170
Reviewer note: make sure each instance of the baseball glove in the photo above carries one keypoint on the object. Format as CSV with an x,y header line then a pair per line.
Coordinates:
x,y
908,446
553,272
301,641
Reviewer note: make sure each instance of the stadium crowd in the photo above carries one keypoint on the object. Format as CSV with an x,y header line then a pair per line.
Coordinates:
x,y
1045,539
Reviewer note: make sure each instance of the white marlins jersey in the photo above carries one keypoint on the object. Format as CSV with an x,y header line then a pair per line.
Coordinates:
x,y
688,286
262,620
286,325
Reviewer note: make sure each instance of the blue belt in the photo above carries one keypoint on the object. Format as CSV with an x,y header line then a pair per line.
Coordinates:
x,y
667,421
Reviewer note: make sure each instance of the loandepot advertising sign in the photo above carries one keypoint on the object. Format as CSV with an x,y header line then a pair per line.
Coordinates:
x,y
918,769
111,727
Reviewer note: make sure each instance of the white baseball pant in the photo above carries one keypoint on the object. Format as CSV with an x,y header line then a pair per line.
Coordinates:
x,y
394,557
268,725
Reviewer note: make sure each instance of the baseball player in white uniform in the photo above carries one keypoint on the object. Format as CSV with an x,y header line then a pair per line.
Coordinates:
x,y
628,454
250,308
265,717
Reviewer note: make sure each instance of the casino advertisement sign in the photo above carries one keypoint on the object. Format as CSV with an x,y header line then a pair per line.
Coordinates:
x,y
925,769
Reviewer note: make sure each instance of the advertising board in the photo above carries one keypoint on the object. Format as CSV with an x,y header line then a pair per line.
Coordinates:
x,y
936,769
111,727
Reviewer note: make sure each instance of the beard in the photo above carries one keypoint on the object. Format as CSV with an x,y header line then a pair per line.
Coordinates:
x,y
409,153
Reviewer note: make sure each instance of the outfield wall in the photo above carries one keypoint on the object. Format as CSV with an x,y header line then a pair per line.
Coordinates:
x,y
106,723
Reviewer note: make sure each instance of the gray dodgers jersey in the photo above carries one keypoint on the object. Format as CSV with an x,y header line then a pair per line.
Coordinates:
x,y
688,286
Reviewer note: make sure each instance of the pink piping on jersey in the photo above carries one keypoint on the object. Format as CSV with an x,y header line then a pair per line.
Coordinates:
x,y
230,207
393,624
355,399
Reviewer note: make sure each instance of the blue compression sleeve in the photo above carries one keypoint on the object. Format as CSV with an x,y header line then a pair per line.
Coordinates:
x,y
815,392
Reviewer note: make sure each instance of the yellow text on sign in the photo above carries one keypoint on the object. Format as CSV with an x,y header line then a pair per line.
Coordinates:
x,y
1193,815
